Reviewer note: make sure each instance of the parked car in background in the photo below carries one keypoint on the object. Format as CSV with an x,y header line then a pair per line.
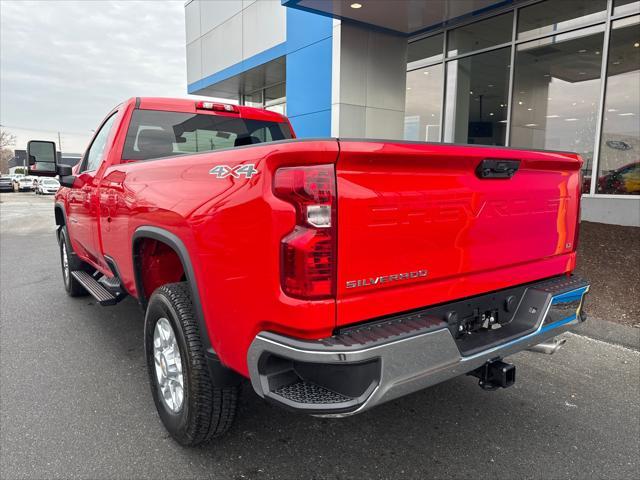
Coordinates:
x,y
23,184
47,186
623,180
6,185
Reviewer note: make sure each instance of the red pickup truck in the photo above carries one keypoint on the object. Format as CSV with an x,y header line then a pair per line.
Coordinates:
x,y
335,274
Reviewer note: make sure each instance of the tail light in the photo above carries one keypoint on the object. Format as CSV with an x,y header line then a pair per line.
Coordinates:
x,y
218,107
308,253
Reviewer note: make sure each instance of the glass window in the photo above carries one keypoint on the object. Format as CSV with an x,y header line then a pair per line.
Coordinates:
x,y
477,91
423,104
253,99
623,7
479,35
280,108
96,151
556,91
427,50
275,99
156,134
277,92
619,161
553,15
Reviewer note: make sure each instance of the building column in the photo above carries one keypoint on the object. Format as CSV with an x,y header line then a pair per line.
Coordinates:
x,y
309,66
368,82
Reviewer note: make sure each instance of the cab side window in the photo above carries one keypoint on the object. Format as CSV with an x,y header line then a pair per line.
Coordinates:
x,y
96,152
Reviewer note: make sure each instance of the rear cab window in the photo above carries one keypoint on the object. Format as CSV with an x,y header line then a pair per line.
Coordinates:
x,y
156,134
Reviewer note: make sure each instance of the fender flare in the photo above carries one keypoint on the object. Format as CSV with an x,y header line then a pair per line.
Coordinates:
x,y
173,241
60,206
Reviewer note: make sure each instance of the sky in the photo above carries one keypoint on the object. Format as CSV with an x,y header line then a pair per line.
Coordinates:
x,y
65,64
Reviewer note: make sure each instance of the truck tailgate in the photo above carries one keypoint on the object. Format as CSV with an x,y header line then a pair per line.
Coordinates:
x,y
417,225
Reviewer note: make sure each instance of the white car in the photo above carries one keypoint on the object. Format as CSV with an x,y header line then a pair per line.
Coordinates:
x,y
23,184
46,186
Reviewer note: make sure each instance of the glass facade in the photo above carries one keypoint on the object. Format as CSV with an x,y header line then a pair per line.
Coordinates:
x,y
552,74
422,119
550,16
427,50
270,98
556,89
480,35
626,7
477,92
619,165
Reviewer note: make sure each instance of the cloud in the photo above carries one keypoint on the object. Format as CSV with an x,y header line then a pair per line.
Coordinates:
x,y
64,65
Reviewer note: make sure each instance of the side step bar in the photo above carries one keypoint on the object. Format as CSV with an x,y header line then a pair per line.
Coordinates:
x,y
103,296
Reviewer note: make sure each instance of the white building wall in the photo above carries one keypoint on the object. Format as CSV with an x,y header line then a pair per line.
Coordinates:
x,y
368,82
609,209
222,33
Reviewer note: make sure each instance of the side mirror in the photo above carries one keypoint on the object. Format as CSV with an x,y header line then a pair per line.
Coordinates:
x,y
64,170
42,158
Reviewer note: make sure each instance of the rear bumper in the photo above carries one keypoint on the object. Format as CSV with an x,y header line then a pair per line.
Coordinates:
x,y
377,362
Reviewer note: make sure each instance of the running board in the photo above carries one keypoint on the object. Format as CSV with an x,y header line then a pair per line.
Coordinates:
x,y
103,296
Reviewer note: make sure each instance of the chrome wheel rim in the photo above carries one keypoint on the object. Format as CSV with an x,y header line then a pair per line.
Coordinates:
x,y
65,263
168,365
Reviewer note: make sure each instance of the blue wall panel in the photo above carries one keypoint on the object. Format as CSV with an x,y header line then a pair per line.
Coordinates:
x,y
316,124
309,79
304,28
309,52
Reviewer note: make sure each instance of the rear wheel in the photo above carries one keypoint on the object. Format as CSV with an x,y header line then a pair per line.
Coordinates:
x,y
191,406
69,262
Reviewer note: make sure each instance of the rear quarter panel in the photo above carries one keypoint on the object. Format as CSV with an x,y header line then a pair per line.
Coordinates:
x,y
232,229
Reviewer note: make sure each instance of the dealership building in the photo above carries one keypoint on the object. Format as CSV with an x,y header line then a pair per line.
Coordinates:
x,y
550,74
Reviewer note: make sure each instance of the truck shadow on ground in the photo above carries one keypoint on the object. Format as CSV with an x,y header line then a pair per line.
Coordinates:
x,y
454,425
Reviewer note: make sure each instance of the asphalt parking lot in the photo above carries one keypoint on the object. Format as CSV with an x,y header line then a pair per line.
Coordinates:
x,y
75,401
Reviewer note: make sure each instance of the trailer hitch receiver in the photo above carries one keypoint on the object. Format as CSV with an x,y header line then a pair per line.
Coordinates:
x,y
495,374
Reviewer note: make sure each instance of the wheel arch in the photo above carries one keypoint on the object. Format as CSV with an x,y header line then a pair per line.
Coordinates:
x,y
60,214
176,244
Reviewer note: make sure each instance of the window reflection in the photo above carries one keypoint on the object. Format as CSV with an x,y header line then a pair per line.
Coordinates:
x,y
479,35
426,50
423,104
556,91
553,15
625,7
477,91
619,163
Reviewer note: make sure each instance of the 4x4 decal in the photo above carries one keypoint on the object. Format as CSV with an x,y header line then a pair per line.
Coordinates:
x,y
224,171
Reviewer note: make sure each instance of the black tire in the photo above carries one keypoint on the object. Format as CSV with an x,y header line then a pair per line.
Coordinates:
x,y
207,410
71,285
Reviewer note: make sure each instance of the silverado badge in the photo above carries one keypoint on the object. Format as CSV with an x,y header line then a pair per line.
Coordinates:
x,y
373,281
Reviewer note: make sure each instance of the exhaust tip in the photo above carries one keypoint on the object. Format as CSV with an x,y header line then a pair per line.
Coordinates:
x,y
549,348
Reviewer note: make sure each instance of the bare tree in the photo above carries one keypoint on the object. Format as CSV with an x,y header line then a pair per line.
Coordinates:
x,y
6,154
7,139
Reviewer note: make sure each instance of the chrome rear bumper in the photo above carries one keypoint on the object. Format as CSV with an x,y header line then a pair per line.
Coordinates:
x,y
354,371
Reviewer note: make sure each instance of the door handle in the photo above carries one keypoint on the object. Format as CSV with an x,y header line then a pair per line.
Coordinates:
x,y
497,168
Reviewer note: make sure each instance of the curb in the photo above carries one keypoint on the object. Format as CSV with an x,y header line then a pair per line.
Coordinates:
x,y
610,332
